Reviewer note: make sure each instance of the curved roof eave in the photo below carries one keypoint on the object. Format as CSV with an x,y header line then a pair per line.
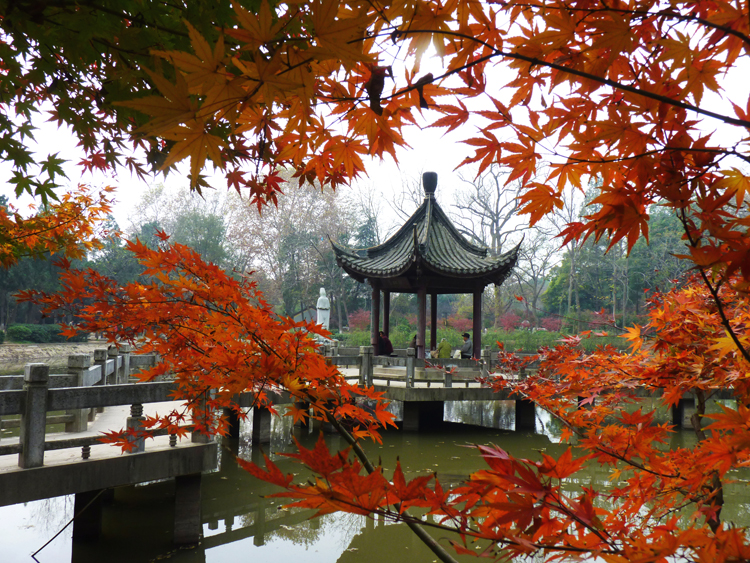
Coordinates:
x,y
431,241
502,265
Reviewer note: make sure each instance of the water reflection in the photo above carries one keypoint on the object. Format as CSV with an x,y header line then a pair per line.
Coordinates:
x,y
240,523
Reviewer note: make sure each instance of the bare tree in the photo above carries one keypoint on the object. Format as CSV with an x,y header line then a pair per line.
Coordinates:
x,y
487,209
535,262
409,198
165,205
366,202
573,205
486,213
289,241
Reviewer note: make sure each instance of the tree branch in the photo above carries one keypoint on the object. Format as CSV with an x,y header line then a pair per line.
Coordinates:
x,y
426,538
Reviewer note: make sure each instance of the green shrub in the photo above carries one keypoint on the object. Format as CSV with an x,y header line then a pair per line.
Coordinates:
x,y
20,333
41,334
355,338
513,341
527,341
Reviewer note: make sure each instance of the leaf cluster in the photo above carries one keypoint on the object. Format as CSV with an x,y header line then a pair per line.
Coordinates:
x,y
67,227
215,335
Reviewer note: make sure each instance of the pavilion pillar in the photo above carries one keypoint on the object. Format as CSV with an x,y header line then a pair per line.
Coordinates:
x,y
375,318
477,318
387,312
433,321
421,320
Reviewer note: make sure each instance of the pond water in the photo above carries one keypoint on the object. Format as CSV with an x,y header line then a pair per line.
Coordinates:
x,y
239,524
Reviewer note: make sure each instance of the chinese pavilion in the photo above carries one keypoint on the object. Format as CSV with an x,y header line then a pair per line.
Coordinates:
x,y
426,256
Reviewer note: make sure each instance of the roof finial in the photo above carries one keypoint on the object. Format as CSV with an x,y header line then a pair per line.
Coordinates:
x,y
429,181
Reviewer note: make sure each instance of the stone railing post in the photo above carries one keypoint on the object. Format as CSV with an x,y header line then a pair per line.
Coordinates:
x,y
334,349
34,415
410,357
135,422
198,437
447,378
100,359
365,366
124,350
486,359
114,354
78,365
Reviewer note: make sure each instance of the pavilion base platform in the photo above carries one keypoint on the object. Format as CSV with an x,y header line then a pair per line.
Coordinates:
x,y
525,414
422,415
427,415
682,413
87,507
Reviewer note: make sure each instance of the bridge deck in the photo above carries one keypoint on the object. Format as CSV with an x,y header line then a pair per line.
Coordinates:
x,y
65,472
109,468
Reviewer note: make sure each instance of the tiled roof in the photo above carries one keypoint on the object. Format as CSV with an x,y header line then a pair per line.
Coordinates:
x,y
427,244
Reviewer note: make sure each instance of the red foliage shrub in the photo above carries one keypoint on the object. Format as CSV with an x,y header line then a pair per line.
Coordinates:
x,y
509,321
359,320
553,324
460,324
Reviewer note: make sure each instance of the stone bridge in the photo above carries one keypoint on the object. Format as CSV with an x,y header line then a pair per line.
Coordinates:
x,y
40,465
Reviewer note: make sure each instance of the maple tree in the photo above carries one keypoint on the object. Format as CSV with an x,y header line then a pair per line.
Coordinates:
x,y
67,227
215,334
630,93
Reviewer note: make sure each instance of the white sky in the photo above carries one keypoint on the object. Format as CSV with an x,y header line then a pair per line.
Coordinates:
x,y
430,151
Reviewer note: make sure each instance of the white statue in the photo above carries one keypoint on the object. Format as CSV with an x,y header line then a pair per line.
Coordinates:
x,y
324,309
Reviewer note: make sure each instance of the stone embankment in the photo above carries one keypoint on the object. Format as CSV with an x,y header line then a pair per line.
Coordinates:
x,y
14,356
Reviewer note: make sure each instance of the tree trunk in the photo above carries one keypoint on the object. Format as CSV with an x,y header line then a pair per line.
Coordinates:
x,y
715,489
12,309
497,306
338,309
614,294
625,291
578,306
573,289
571,277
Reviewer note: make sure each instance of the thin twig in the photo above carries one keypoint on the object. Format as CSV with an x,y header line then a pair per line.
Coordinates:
x,y
426,538
33,555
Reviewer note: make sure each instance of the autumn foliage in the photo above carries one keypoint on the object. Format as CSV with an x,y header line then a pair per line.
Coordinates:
x,y
67,227
664,501
215,335
630,94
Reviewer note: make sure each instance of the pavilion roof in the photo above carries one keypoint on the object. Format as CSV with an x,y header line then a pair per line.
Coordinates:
x,y
427,251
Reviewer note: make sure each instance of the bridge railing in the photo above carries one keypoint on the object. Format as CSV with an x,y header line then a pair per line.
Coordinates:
x,y
36,399
108,366
85,390
366,361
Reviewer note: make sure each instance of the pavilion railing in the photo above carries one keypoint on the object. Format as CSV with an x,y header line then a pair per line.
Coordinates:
x,y
445,371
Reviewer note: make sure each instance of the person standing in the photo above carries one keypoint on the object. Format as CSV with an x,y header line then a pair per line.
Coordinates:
x,y
467,348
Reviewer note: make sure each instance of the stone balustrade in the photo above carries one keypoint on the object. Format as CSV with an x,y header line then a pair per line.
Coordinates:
x,y
445,371
82,392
